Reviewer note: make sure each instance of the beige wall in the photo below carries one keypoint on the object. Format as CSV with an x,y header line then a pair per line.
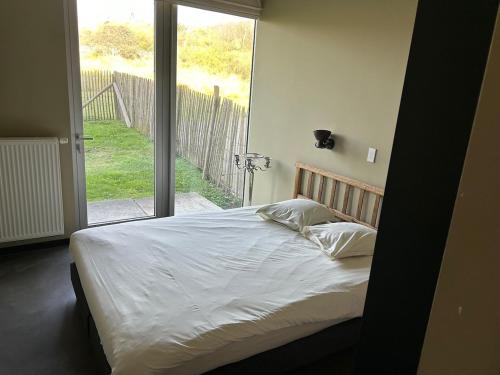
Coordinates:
x,y
332,64
469,343
33,81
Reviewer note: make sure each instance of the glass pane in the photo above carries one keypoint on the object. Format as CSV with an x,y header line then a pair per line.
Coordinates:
x,y
213,86
117,75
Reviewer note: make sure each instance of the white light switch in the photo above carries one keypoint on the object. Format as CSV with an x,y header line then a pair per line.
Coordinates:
x,y
372,153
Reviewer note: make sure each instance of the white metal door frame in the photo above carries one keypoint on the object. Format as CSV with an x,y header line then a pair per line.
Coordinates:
x,y
76,112
166,92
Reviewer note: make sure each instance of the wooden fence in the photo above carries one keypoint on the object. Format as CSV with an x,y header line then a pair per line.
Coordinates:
x,y
210,129
138,95
98,104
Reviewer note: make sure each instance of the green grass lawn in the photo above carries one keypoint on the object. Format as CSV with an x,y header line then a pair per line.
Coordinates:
x,y
119,165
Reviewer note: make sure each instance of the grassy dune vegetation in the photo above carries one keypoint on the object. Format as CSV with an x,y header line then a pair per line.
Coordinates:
x,y
213,55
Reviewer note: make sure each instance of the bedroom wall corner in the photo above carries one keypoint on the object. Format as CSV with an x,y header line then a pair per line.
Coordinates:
x,y
336,65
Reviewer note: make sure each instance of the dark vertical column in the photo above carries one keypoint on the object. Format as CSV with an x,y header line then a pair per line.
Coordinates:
x,y
446,64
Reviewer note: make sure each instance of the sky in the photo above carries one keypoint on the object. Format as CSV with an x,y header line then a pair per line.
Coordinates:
x,y
94,12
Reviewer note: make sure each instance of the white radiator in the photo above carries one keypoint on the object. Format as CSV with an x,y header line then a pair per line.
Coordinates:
x,y
30,189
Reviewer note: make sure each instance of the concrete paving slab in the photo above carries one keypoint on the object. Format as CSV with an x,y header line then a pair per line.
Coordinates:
x,y
113,210
147,205
193,202
124,209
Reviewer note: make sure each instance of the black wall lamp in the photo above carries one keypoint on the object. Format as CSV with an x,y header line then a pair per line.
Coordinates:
x,y
324,138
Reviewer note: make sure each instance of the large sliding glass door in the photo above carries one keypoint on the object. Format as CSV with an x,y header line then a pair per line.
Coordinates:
x,y
214,64
160,96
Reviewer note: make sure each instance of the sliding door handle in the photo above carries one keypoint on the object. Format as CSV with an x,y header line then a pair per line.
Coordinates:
x,y
84,137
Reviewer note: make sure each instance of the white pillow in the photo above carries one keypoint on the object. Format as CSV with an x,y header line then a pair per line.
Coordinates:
x,y
342,240
297,213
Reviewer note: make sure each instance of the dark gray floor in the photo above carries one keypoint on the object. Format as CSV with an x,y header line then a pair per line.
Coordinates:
x,y
338,364
40,329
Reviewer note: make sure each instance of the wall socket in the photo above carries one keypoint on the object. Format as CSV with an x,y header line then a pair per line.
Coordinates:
x,y
372,154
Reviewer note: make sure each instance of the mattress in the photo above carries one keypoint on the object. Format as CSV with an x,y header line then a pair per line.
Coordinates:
x,y
186,294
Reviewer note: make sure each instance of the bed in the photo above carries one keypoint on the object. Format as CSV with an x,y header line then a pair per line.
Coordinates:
x,y
222,292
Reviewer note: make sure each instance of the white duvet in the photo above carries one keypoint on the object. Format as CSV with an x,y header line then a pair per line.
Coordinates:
x,y
187,294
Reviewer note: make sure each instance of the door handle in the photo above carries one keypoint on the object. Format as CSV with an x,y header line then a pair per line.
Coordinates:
x,y
79,141
84,137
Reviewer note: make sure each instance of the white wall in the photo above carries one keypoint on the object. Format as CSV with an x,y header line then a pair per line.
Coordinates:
x,y
332,64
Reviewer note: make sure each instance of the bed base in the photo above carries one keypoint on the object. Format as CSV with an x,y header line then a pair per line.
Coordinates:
x,y
280,360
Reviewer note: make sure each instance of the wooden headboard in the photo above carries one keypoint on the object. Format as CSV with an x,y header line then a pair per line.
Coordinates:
x,y
350,200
